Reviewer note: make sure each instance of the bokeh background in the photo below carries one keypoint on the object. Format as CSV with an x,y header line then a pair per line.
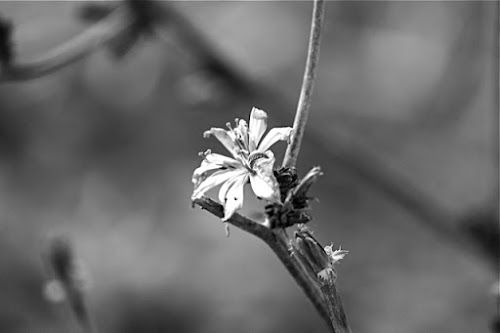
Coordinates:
x,y
104,149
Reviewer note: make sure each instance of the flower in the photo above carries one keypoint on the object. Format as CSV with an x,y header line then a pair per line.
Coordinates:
x,y
251,160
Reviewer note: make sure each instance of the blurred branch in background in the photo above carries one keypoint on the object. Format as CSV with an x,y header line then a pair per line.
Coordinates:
x,y
445,106
115,25
68,281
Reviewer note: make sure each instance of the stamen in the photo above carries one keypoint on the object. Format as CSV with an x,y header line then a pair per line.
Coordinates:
x,y
228,124
244,153
205,153
254,157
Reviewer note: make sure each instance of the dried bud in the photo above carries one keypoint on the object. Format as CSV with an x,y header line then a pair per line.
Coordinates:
x,y
295,207
318,259
300,191
287,179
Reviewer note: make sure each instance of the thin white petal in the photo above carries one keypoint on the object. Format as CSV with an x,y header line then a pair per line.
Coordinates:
x,y
199,172
263,182
243,130
226,138
227,185
257,127
234,197
212,181
265,186
222,160
275,134
338,255
211,162
265,165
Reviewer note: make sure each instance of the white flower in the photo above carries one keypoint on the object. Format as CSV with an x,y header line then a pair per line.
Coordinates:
x,y
251,160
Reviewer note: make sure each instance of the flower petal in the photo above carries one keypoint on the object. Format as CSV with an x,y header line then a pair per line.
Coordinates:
x,y
227,185
214,180
226,138
264,164
265,186
211,162
263,182
257,127
243,132
234,197
275,134
199,172
222,160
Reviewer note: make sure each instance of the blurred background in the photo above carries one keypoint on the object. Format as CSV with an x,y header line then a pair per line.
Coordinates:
x,y
103,151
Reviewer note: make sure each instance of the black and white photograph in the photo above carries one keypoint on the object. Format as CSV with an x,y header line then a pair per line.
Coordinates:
x,y
269,166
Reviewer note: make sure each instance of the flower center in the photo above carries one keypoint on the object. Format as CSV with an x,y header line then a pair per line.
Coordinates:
x,y
254,157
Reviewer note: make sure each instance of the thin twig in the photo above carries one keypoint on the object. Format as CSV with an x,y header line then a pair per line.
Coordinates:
x,y
304,104
119,22
279,247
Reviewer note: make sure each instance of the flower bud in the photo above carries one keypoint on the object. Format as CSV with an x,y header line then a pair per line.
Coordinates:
x,y
312,255
295,207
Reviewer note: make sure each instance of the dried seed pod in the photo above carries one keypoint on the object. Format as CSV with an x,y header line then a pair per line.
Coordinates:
x,y
295,207
312,255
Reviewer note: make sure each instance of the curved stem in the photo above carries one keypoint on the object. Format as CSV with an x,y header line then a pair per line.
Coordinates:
x,y
302,112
